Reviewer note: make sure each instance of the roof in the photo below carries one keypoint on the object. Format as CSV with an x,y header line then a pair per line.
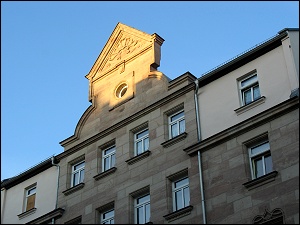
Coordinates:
x,y
42,166
245,57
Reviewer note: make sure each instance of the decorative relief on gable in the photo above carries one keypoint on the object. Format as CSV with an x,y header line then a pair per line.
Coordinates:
x,y
125,47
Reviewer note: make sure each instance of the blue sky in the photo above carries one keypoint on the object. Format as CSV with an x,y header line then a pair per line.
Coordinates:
x,y
48,47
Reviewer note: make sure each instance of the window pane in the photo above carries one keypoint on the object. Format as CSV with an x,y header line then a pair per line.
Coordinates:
x,y
140,215
268,164
177,116
75,178
30,202
182,126
147,213
258,168
146,143
113,160
174,130
178,200
108,151
260,148
186,194
31,191
78,166
143,199
81,176
256,92
142,134
248,81
139,148
247,97
106,163
181,183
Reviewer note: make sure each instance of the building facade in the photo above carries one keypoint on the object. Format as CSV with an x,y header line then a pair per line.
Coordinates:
x,y
31,197
219,148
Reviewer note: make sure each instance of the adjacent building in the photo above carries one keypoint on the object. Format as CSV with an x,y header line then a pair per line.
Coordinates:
x,y
31,197
220,147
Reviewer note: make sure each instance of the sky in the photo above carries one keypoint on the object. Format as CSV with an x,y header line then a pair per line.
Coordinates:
x,y
47,48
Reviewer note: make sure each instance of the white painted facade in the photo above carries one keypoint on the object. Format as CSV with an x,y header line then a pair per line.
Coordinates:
x,y
219,99
13,199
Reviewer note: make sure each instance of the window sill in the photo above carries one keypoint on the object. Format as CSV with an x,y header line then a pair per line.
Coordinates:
x,y
174,140
251,105
27,213
138,157
179,213
105,173
261,180
73,189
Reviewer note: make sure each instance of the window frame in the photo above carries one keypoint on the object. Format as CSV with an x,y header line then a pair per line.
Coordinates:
x,y
111,156
266,152
27,196
177,122
109,219
186,202
143,205
142,139
80,171
247,87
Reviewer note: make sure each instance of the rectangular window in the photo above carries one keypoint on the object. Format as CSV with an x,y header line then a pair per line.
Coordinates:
x,y
108,217
176,124
181,193
108,158
249,89
260,160
30,198
77,173
141,142
142,209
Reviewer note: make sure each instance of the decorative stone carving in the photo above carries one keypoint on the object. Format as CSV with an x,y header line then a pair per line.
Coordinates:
x,y
276,216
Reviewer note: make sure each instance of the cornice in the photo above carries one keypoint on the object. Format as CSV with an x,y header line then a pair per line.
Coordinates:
x,y
128,120
244,126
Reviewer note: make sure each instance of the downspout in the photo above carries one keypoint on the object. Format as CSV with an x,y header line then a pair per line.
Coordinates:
x,y
58,171
199,154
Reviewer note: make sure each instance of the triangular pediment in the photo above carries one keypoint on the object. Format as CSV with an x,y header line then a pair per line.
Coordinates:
x,y
124,44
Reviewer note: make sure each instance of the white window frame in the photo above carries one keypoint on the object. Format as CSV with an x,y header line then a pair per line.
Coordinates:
x,y
262,154
177,123
111,156
79,171
142,205
28,195
108,220
181,188
250,87
142,139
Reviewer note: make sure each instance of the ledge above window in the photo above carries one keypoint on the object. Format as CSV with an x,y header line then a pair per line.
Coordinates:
x,y
27,213
105,173
138,157
250,105
73,189
174,140
261,180
179,213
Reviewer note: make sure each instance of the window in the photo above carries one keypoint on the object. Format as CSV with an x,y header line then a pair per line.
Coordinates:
x,y
141,142
249,89
121,90
30,198
77,173
260,160
108,158
108,217
176,124
142,209
181,193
